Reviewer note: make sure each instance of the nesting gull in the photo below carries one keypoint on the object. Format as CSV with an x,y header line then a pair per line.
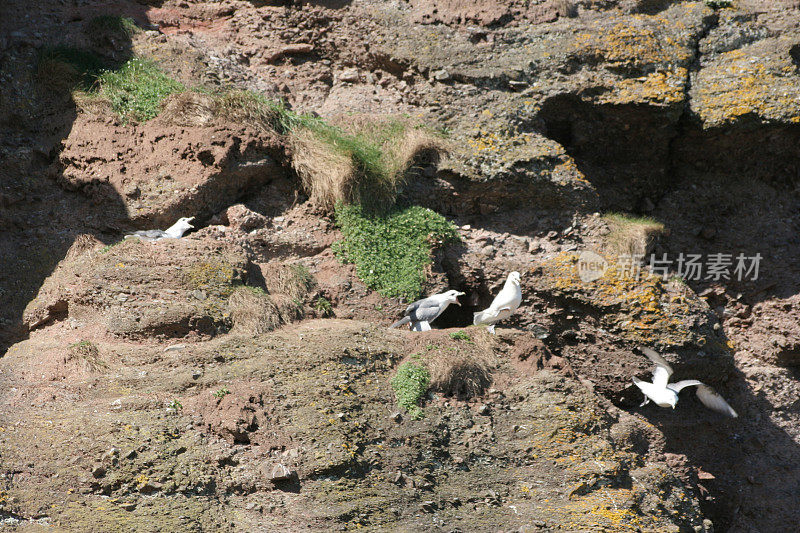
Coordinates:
x,y
503,305
665,394
421,313
175,231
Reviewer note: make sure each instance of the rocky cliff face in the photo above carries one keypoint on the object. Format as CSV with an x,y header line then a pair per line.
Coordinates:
x,y
134,391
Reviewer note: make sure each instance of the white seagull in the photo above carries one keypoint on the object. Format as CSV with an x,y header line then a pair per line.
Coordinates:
x,y
421,313
503,305
175,231
665,394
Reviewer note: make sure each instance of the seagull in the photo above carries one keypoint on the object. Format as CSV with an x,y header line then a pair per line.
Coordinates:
x,y
175,231
421,313
503,305
665,394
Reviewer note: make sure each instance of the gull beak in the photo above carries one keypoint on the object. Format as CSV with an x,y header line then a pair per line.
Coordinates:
x,y
459,294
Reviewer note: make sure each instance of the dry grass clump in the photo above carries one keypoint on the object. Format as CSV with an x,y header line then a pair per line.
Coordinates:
x,y
188,109
192,108
63,69
82,243
360,160
564,8
631,236
87,353
244,107
363,162
293,281
289,309
463,375
253,312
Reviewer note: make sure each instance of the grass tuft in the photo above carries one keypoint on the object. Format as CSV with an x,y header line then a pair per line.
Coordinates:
x,y
137,89
631,236
461,375
364,164
65,68
252,311
112,25
87,352
410,384
323,307
392,252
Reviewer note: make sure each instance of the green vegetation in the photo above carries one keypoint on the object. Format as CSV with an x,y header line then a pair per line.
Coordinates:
x,y
410,384
84,345
323,307
175,405
108,247
137,89
134,89
364,162
221,393
115,25
257,291
391,252
459,336
719,4
68,68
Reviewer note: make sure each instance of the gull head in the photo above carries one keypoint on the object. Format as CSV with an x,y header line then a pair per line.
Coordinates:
x,y
177,230
673,401
185,222
452,296
514,277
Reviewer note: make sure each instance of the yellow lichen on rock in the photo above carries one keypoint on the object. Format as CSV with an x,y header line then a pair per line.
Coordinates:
x,y
740,84
634,301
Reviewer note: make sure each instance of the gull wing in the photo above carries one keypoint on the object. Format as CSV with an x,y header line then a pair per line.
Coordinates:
x,y
425,310
707,395
150,234
680,385
662,371
509,296
714,401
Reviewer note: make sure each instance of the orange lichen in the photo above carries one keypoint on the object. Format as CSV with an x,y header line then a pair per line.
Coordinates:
x,y
640,307
738,85
663,87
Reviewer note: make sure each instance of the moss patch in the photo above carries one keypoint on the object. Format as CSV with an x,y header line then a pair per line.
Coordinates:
x,y
410,384
392,252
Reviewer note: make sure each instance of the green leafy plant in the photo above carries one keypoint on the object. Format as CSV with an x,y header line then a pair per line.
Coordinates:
x,y
719,4
459,336
391,252
410,384
323,307
221,393
137,88
175,405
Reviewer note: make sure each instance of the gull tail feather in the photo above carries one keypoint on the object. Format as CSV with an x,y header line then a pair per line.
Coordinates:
x,y
401,322
483,317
